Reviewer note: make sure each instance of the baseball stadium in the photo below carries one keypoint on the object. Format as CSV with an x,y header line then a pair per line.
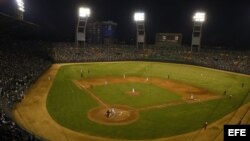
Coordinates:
x,y
95,88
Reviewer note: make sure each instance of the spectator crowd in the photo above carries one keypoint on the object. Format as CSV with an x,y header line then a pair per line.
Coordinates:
x,y
21,63
235,61
20,66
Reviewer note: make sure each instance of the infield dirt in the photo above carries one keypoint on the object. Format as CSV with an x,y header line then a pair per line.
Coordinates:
x,y
32,115
129,115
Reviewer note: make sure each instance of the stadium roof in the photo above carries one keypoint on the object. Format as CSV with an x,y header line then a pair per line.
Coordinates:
x,y
12,28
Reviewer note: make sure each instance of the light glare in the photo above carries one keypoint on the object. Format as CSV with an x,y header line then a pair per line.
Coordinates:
x,y
199,16
21,9
19,1
139,16
84,12
20,5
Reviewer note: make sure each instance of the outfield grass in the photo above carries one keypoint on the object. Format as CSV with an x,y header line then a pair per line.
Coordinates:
x,y
68,105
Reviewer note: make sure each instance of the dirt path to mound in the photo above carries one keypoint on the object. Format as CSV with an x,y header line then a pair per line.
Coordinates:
x,y
32,115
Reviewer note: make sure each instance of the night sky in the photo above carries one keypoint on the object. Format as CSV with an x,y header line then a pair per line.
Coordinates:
x,y
227,24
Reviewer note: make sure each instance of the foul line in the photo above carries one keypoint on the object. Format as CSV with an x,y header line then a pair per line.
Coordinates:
x,y
94,96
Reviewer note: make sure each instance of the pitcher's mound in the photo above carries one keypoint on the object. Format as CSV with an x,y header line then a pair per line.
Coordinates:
x,y
114,115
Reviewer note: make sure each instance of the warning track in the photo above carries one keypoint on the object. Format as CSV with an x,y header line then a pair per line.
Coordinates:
x,y
32,115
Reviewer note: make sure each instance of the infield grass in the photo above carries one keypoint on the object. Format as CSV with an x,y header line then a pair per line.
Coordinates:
x,y
68,105
149,94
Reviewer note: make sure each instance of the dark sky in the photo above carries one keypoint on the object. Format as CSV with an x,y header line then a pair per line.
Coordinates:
x,y
227,24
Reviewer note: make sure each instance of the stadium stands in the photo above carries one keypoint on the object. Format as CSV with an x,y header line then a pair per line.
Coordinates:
x,y
235,61
22,62
20,67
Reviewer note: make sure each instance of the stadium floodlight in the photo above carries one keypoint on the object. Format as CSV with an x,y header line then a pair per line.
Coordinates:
x,y
199,17
139,17
84,12
20,5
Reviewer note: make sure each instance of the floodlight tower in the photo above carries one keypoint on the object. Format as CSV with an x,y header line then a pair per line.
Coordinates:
x,y
139,18
198,19
84,14
20,9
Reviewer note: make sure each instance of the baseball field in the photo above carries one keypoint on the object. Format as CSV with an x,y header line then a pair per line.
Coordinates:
x,y
134,101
